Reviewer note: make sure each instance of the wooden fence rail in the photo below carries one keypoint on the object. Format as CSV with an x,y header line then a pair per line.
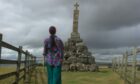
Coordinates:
x,y
126,66
29,63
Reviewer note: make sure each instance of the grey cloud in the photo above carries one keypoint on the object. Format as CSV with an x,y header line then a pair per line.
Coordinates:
x,y
111,14
35,16
125,37
29,26
103,24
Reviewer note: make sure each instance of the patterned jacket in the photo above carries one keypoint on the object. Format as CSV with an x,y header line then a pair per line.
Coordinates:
x,y
53,56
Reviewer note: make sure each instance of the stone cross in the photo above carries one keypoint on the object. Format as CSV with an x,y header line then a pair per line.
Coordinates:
x,y
76,5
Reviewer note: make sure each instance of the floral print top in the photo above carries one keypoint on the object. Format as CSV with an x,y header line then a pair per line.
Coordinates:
x,y
54,55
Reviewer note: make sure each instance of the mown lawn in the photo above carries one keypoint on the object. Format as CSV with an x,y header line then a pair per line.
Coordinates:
x,y
105,76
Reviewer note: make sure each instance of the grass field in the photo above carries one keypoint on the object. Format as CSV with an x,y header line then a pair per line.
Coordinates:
x,y
11,79
105,76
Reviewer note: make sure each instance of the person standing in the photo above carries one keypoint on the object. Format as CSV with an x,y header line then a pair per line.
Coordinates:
x,y
53,56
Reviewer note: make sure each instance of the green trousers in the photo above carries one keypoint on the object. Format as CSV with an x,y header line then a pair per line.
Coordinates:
x,y
54,74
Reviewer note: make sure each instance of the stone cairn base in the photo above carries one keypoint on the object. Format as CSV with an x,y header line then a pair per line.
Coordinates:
x,y
75,67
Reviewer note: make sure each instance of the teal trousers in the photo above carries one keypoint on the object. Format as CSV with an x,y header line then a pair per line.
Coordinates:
x,y
54,74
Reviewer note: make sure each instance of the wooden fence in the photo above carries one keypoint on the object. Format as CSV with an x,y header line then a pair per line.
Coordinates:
x,y
29,63
126,66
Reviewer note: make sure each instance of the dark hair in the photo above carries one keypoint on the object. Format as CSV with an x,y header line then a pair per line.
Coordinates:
x,y
52,31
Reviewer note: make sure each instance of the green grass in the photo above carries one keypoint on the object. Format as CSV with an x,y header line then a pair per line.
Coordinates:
x,y
105,76
9,80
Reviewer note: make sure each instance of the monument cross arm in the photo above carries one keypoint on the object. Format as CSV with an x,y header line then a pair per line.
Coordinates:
x,y
76,5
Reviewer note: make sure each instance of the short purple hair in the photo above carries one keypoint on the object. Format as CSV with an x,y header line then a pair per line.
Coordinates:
x,y
52,30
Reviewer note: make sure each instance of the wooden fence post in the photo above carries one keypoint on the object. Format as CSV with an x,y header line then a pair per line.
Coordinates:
x,y
123,63
0,44
116,64
25,66
18,65
113,65
134,66
31,61
35,62
29,67
120,65
125,68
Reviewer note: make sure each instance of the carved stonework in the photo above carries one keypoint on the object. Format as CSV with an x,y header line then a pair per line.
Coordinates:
x,y
76,56
75,18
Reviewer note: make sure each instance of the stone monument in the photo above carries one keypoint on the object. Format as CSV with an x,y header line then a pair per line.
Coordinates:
x,y
76,54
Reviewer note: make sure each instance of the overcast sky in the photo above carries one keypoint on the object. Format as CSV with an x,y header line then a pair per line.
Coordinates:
x,y
108,27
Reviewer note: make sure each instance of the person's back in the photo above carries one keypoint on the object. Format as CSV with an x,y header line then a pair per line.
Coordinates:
x,y
53,52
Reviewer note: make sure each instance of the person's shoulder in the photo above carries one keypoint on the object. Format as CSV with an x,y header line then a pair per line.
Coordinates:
x,y
58,38
46,40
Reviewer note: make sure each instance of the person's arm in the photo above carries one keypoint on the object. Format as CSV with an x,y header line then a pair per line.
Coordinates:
x,y
62,49
45,48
